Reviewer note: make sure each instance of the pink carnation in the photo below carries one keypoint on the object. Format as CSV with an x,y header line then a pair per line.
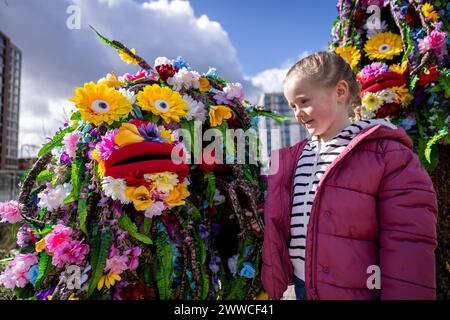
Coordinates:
x,y
134,259
60,234
138,75
70,143
435,42
107,145
9,212
15,274
72,252
117,264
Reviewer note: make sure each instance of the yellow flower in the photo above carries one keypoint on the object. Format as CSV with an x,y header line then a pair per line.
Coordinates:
x,y
111,80
383,45
108,280
217,114
400,69
166,134
100,163
128,134
205,86
73,297
127,58
177,195
429,12
162,101
40,245
98,102
349,54
163,181
140,197
371,101
402,95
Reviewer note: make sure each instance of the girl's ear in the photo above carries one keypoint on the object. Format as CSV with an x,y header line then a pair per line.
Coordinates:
x,y
342,91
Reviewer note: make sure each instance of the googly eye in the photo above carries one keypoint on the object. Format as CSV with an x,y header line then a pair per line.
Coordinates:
x,y
162,105
384,48
100,106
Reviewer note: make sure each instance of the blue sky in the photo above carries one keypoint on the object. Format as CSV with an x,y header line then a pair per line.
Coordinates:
x,y
267,33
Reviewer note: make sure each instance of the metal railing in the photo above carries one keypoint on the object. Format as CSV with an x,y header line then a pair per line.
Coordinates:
x,y
9,184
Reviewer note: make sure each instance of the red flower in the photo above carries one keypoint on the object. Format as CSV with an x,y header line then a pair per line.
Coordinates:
x,y
137,291
425,78
133,180
359,18
412,17
166,71
388,109
138,123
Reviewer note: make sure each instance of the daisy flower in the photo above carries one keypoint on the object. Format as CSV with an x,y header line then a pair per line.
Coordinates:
x,y
349,54
115,189
197,109
383,45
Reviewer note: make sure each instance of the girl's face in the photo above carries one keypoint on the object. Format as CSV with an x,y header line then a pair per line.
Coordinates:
x,y
322,111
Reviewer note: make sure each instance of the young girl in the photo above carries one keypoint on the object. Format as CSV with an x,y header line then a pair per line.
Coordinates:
x,y
350,212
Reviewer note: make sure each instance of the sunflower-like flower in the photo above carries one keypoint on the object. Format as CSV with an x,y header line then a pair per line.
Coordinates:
x,y
108,280
219,113
162,101
371,102
383,45
402,95
140,196
400,69
111,80
128,58
429,12
349,54
98,102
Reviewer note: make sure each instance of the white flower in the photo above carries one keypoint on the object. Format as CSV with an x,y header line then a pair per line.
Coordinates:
x,y
234,90
218,198
163,181
197,109
185,79
130,95
53,199
387,95
155,209
371,32
161,61
115,188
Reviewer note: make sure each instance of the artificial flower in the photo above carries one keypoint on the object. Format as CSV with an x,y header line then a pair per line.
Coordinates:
x,y
373,70
53,198
205,86
69,252
117,264
107,145
429,12
141,74
33,273
179,63
167,135
25,236
161,61
177,195
134,253
248,270
166,71
427,76
111,80
9,212
435,42
214,263
383,45
40,245
108,280
349,54
130,95
402,95
387,95
163,181
115,189
100,163
400,69
150,131
373,31
128,134
57,236
16,273
127,57
184,79
371,101
70,142
219,113
100,103
197,109
162,101
140,196
156,209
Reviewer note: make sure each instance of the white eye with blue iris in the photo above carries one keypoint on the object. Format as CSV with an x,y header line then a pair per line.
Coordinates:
x,y
162,105
384,48
100,106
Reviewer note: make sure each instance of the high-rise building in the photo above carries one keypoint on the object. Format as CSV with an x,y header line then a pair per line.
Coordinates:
x,y
10,68
277,135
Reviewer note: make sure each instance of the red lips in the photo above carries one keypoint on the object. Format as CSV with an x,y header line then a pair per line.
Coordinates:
x,y
145,157
383,81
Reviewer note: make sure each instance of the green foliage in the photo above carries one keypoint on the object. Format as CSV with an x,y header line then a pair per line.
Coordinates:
x,y
44,175
126,224
211,187
100,245
78,170
164,256
55,142
82,215
45,265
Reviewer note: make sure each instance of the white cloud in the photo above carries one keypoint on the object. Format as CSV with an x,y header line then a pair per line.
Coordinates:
x,y
56,59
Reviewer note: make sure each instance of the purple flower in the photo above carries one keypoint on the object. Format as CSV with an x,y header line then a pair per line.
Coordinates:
x,y
65,159
203,230
374,69
150,132
215,229
214,264
43,295
408,122
107,145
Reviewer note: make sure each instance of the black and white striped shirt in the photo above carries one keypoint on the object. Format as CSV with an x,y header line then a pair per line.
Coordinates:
x,y
312,164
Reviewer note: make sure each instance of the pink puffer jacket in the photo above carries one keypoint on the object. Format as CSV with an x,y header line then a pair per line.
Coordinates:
x,y
375,205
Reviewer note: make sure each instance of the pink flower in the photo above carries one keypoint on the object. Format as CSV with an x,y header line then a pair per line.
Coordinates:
x,y
134,260
373,70
9,212
138,75
70,143
117,264
60,234
25,236
155,209
15,274
72,252
107,145
434,42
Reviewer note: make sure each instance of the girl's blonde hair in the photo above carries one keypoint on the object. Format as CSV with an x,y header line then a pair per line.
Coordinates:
x,y
327,68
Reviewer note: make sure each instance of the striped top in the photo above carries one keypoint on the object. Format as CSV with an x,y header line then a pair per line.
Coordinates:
x,y
312,164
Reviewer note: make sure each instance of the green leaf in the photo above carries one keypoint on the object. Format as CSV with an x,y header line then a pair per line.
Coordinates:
x,y
44,175
248,175
271,115
164,267
99,253
126,224
106,40
75,116
45,265
137,112
440,135
147,225
78,170
82,215
56,141
211,187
